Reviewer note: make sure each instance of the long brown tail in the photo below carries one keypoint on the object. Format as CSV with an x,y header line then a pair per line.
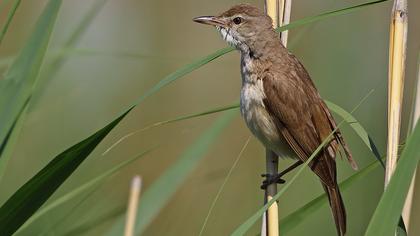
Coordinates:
x,y
337,208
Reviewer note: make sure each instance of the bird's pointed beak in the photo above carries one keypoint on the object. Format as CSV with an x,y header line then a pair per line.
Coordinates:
x,y
210,20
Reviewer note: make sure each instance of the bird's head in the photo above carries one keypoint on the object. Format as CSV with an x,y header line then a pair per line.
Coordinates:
x,y
241,26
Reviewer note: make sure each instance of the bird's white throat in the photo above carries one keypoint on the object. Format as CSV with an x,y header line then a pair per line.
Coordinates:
x,y
227,36
231,39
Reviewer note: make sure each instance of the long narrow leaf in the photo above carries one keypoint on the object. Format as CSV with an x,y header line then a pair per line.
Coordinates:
x,y
165,122
92,223
53,225
183,71
81,189
9,133
222,187
14,83
339,12
157,195
292,220
358,128
73,38
21,77
347,116
30,197
7,146
385,219
15,88
9,19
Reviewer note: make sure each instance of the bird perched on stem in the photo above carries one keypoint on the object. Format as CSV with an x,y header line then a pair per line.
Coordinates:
x,y
279,101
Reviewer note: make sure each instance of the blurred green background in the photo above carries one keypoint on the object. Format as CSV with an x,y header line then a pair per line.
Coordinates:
x,y
131,45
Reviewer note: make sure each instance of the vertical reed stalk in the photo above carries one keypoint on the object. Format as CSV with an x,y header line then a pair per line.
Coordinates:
x,y
279,11
133,203
397,54
272,9
286,10
272,214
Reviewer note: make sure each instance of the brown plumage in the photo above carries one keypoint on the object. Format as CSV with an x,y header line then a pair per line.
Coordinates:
x,y
279,101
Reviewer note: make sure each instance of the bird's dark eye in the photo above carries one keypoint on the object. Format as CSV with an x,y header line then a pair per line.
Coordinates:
x,y
237,20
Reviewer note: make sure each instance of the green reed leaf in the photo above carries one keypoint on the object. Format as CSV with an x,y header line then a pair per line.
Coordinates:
x,y
10,16
294,219
159,193
345,115
81,189
20,79
322,16
387,214
34,193
358,128
73,38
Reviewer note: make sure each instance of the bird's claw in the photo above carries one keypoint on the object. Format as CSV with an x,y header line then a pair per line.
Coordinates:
x,y
271,179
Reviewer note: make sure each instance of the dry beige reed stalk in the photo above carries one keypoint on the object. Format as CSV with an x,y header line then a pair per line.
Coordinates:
x,y
279,11
272,214
286,10
397,54
133,202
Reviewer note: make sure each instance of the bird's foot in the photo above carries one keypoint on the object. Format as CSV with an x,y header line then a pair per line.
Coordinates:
x,y
272,179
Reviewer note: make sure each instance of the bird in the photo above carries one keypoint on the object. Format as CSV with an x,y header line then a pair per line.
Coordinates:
x,y
280,103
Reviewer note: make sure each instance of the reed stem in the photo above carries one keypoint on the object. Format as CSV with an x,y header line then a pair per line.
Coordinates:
x,y
279,11
397,54
133,202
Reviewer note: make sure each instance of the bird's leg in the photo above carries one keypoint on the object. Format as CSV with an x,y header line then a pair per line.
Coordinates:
x,y
270,179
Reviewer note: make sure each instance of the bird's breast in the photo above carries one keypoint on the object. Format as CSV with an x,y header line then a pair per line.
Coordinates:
x,y
252,102
254,113
256,116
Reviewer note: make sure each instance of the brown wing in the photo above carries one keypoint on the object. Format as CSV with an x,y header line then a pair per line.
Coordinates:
x,y
339,137
302,117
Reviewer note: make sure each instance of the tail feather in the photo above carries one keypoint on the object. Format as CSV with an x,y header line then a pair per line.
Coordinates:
x,y
337,208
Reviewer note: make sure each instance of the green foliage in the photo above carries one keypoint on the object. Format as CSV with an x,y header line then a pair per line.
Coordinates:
x,y
157,195
73,38
183,71
30,197
16,87
322,16
297,217
385,219
9,19
92,223
79,190
20,79
358,128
